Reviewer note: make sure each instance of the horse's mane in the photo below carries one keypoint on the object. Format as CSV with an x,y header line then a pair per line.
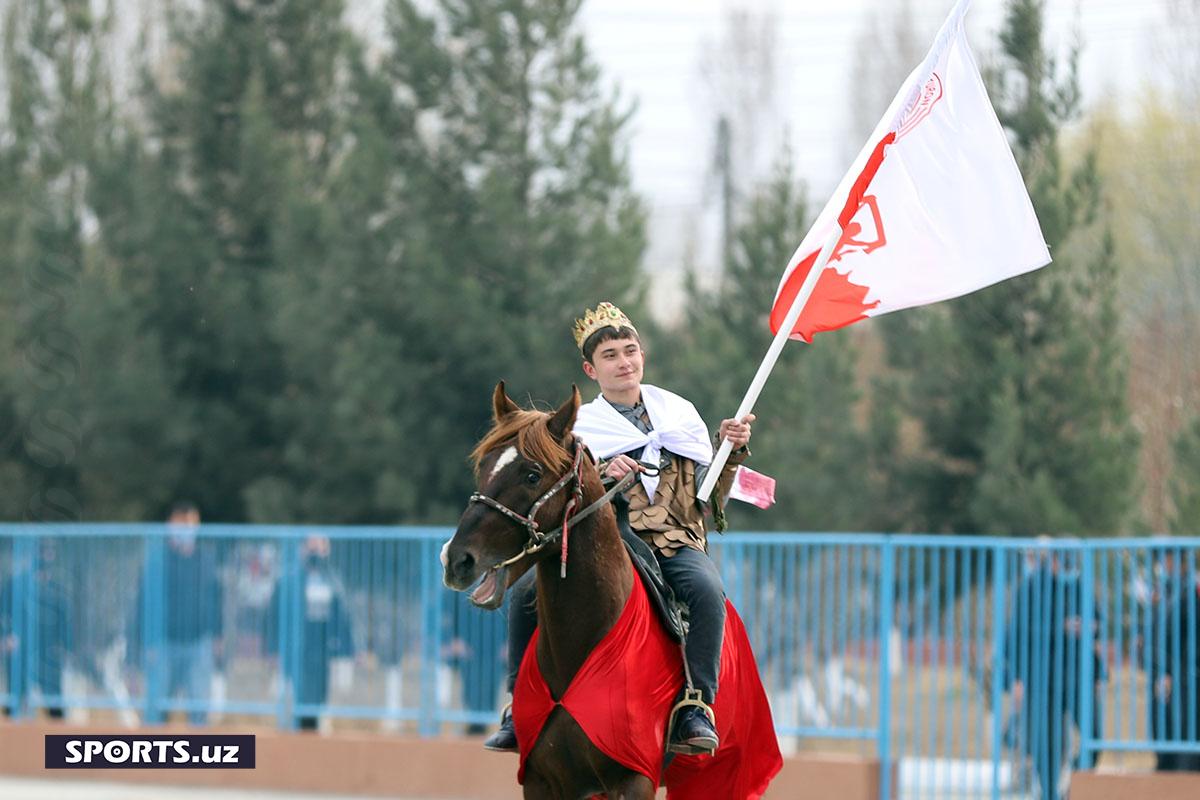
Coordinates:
x,y
534,441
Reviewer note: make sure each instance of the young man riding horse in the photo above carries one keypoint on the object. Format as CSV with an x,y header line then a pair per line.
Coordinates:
x,y
633,426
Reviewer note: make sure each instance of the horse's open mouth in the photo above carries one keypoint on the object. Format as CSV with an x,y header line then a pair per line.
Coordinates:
x,y
490,591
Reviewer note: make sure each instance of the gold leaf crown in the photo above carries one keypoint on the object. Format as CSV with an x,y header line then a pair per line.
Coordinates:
x,y
605,315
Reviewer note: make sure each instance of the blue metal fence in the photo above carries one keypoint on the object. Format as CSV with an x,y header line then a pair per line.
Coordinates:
x,y
978,667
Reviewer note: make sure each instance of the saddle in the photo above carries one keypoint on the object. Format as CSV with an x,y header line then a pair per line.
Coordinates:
x,y
672,612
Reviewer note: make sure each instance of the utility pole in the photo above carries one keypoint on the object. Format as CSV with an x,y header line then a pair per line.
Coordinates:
x,y
723,163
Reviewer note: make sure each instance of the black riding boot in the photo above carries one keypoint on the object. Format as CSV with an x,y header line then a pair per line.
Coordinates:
x,y
693,732
522,621
505,739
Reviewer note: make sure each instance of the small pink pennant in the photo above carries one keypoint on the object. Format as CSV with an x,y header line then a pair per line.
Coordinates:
x,y
753,487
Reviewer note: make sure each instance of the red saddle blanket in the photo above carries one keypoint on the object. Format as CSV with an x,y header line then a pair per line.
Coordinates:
x,y
623,694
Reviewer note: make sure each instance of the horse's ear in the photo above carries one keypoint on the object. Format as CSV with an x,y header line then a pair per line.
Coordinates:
x,y
502,404
564,419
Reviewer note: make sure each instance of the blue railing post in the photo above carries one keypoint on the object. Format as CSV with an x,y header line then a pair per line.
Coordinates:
x,y
153,627
23,622
33,626
887,614
8,605
1087,689
427,724
999,661
734,588
290,620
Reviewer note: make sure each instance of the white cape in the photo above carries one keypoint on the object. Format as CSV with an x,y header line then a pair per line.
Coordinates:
x,y
678,429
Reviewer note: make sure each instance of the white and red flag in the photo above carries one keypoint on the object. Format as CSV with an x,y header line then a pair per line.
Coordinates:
x,y
933,208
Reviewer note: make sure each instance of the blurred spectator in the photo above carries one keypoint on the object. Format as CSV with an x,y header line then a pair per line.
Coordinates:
x,y
393,623
53,635
325,631
252,582
473,649
192,605
1043,667
1174,660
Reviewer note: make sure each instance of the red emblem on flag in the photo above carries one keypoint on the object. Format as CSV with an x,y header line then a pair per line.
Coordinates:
x,y
924,105
864,234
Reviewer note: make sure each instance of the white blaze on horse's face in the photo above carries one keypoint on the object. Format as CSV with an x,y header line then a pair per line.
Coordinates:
x,y
445,558
506,458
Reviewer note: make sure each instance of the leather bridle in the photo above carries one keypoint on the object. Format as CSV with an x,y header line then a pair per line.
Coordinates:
x,y
538,539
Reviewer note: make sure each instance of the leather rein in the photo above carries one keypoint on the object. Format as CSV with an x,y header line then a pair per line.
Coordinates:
x,y
538,539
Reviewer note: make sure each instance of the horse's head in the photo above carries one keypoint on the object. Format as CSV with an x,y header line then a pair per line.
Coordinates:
x,y
526,469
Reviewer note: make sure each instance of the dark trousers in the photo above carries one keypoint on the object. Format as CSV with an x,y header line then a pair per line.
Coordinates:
x,y
1169,721
693,577
1177,762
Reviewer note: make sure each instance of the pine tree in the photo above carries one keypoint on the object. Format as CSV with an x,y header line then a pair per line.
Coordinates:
x,y
245,117
82,392
1185,483
1020,388
486,202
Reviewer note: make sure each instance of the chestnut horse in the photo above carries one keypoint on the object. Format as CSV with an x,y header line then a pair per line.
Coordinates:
x,y
537,485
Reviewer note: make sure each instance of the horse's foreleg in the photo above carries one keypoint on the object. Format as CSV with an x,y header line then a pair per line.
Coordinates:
x,y
537,787
636,787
